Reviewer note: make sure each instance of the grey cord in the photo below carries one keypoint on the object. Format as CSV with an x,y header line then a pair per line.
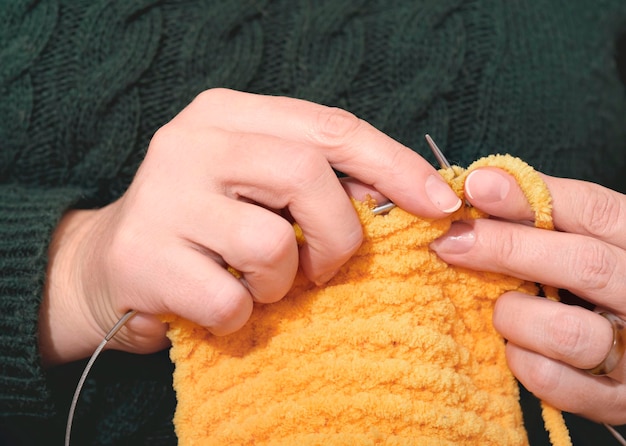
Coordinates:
x,y
70,417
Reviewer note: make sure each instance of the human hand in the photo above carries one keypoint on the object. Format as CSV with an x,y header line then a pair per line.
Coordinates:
x,y
221,185
551,344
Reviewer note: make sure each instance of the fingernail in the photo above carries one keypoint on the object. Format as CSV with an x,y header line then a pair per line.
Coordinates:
x,y
488,186
458,240
441,195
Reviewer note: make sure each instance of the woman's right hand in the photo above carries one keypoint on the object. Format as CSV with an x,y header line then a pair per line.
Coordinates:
x,y
213,190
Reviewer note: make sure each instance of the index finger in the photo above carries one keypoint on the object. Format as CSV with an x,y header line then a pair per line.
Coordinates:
x,y
350,145
588,209
578,207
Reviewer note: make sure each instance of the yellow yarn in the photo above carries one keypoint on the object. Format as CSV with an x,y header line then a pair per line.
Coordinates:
x,y
397,349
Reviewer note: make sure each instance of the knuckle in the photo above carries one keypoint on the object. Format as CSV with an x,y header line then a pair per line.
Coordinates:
x,y
229,309
593,265
272,247
163,137
566,336
309,164
543,377
276,246
308,170
168,139
602,212
334,127
333,253
505,246
212,96
390,159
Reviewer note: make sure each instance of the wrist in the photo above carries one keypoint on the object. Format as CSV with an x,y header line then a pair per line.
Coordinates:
x,y
67,330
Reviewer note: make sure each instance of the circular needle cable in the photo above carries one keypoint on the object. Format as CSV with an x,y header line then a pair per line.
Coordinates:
x,y
70,417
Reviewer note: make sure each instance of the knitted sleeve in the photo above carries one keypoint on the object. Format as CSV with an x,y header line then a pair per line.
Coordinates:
x,y
27,218
83,86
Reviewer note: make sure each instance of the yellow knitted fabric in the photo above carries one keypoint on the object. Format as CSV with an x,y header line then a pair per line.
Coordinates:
x,y
397,349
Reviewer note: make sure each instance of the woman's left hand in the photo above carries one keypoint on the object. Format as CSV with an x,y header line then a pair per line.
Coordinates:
x,y
551,345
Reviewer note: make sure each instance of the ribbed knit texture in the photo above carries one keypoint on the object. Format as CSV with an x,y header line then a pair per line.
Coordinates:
x,y
85,83
25,219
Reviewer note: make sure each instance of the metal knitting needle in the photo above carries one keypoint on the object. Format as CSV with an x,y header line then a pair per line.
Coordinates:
x,y
443,162
441,159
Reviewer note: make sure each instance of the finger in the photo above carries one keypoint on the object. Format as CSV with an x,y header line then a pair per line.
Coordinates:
x,y
258,243
144,334
348,143
569,334
302,181
589,209
362,192
192,285
601,399
586,266
497,193
283,175
579,207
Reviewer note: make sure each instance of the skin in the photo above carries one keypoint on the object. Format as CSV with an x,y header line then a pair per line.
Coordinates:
x,y
216,186
550,342
214,189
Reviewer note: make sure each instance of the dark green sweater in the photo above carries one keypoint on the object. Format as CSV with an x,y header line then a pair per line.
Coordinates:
x,y
84,84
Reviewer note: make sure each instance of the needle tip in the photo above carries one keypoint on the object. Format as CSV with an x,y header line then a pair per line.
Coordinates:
x,y
441,159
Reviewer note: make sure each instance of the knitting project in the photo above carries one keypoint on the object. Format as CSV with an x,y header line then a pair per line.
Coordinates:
x,y
397,349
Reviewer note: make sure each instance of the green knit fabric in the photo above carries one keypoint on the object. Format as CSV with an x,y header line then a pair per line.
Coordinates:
x,y
27,220
84,84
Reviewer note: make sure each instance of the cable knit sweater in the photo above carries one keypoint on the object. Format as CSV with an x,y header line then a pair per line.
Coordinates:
x,y
85,83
